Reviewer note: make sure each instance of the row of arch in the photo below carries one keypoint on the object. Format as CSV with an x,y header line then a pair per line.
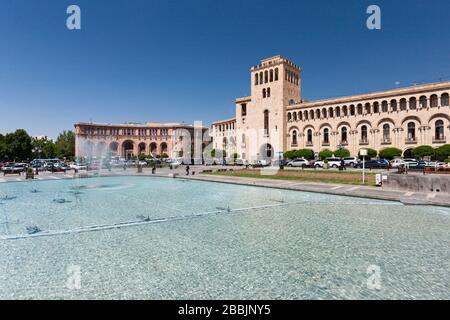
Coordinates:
x,y
125,149
410,124
266,76
385,106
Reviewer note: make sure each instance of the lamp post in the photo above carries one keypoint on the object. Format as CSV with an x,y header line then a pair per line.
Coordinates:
x,y
363,153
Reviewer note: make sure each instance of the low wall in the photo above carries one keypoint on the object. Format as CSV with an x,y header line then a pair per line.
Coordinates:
x,y
417,182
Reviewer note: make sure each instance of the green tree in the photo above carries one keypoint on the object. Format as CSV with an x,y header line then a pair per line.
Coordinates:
x,y
3,148
18,145
65,145
164,156
342,153
289,154
326,153
423,151
304,153
443,152
43,148
390,153
371,153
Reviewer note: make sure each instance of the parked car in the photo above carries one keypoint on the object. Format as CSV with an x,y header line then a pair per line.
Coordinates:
x,y
78,166
303,163
409,162
332,163
397,163
13,168
419,165
260,163
351,161
374,164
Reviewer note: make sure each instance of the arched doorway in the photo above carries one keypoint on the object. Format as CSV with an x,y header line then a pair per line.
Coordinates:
x,y
163,148
128,149
101,150
153,148
113,149
266,152
141,148
408,153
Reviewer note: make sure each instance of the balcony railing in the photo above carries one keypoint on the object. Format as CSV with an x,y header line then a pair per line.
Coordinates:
x,y
440,139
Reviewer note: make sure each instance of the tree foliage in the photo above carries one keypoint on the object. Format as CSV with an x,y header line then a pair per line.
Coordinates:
x,y
65,145
390,153
326,153
423,151
342,153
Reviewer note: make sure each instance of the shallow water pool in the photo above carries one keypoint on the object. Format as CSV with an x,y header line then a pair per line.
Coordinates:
x,y
160,238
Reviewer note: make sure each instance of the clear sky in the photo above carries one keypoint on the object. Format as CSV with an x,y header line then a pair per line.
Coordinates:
x,y
186,60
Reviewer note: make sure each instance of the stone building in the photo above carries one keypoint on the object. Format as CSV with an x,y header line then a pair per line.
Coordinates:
x,y
128,140
274,118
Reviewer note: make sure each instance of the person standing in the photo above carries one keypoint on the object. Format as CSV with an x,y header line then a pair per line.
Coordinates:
x,y
187,170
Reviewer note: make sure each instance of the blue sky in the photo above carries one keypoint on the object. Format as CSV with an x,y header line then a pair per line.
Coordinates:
x,y
148,60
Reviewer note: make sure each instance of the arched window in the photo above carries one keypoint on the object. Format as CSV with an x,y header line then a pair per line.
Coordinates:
x,y
439,130
305,115
331,112
384,106
318,114
338,112
266,76
268,92
289,116
352,110
300,116
271,75
434,101
266,122
344,135
394,105
403,104
360,109
294,138
411,131
256,79
261,77
364,134
264,92
326,135
324,113
276,74
294,116
367,108
386,133
345,111
311,114
423,102
309,136
445,100
412,103
376,107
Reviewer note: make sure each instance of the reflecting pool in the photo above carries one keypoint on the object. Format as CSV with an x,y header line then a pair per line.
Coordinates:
x,y
161,238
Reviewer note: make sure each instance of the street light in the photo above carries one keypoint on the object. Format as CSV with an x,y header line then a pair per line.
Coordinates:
x,y
363,153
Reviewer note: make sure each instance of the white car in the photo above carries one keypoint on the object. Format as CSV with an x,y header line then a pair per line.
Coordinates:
x,y
332,163
397,163
298,163
78,166
174,163
351,161
409,162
